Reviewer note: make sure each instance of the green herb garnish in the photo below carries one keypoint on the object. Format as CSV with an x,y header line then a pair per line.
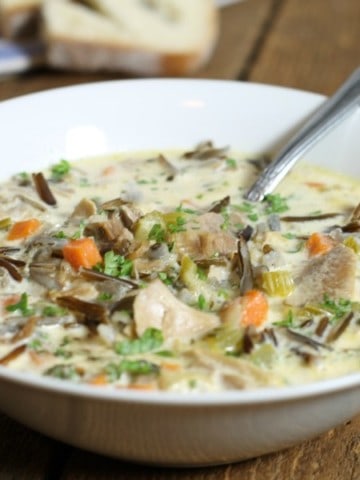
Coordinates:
x,y
62,371
288,321
35,344
21,305
133,367
337,308
53,311
178,226
201,303
150,340
165,278
59,170
104,296
157,233
231,162
116,265
79,233
275,203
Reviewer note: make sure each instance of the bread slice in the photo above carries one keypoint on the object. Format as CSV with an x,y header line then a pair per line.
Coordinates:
x,y
19,18
143,37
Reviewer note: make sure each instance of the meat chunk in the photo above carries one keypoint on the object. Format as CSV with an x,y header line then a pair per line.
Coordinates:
x,y
156,307
199,245
331,274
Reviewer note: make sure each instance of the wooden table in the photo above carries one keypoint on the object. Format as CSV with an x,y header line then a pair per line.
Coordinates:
x,y
307,44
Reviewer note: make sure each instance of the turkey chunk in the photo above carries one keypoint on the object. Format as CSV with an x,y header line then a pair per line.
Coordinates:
x,y
156,307
331,274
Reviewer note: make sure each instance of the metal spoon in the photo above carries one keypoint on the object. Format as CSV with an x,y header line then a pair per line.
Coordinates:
x,y
330,114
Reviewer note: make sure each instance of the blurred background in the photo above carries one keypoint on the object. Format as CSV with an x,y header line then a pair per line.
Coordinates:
x,y
307,44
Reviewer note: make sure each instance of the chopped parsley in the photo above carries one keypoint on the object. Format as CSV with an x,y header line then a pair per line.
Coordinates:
x,y
254,217
62,352
201,273
289,236
150,340
275,203
201,303
35,344
21,305
157,233
60,234
116,265
165,278
231,162
62,371
53,311
288,321
250,209
60,170
226,216
80,232
104,296
133,367
178,226
337,308
182,209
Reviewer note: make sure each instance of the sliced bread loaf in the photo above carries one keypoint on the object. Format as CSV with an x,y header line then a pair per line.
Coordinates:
x,y
144,37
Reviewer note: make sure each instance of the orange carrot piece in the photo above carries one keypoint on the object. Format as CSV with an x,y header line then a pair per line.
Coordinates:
x,y
82,252
173,367
255,308
23,229
316,185
317,244
98,380
109,170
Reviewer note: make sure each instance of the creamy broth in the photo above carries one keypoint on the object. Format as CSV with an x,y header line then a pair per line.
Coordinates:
x,y
150,271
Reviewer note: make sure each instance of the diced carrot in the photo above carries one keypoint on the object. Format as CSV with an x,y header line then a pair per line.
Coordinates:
x,y
316,185
318,243
82,252
254,308
173,367
23,229
109,170
99,379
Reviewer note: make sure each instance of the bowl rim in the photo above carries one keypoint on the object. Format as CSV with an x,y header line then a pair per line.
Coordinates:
x,y
230,397
118,83
258,396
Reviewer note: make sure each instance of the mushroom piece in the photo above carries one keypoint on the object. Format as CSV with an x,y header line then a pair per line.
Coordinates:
x,y
200,245
84,209
244,266
331,274
156,307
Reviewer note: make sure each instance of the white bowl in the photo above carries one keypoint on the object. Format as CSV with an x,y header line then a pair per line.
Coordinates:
x,y
167,428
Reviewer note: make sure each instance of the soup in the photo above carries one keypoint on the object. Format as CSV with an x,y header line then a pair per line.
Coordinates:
x,y
149,271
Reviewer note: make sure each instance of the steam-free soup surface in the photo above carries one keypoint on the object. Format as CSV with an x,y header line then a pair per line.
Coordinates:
x,y
150,271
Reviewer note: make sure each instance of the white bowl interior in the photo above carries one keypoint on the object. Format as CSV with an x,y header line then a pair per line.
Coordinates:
x,y
101,118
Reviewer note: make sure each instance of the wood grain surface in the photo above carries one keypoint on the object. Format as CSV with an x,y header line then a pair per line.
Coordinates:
x,y
306,44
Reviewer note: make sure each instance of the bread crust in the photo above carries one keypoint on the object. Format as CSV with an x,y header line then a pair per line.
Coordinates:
x,y
87,57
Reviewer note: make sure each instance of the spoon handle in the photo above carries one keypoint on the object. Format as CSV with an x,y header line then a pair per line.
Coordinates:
x,y
330,114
